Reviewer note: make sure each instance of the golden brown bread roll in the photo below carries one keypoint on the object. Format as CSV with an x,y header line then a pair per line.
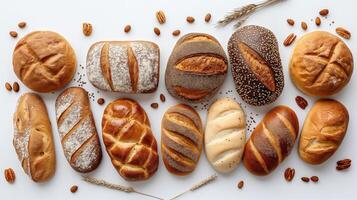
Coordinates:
x,y
271,141
33,140
181,139
324,129
321,64
129,140
77,130
196,68
225,135
44,61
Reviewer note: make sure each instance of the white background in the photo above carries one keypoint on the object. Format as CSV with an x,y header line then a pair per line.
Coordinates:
x,y
108,19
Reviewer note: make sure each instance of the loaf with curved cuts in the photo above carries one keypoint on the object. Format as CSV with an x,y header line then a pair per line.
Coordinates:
x,y
271,141
77,131
129,140
181,139
225,135
33,140
324,129
124,66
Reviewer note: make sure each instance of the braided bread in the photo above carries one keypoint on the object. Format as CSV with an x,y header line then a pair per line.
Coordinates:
x,y
271,141
77,130
129,141
225,135
181,139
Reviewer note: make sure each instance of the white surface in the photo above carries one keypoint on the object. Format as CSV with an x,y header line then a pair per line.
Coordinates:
x,y
108,19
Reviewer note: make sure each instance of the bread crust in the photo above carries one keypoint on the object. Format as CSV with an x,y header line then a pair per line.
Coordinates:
x,y
321,64
33,140
44,61
77,131
324,129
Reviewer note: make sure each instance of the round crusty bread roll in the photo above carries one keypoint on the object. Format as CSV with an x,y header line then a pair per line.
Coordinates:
x,y
324,129
225,135
44,61
321,64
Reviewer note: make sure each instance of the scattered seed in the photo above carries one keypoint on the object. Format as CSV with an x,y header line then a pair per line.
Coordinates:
x,y
100,101
176,33
304,26
157,31
314,179
208,17
8,86
16,86
324,12
87,29
343,33
289,39
291,22
9,175
154,105
162,98
301,102
305,179
240,184
190,19
74,188
160,16
289,174
127,28
318,21
13,34
21,24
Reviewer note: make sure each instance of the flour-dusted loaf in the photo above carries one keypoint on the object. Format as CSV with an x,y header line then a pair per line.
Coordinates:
x,y
129,140
124,66
256,65
197,68
324,129
44,61
321,64
181,139
33,140
77,130
271,141
225,135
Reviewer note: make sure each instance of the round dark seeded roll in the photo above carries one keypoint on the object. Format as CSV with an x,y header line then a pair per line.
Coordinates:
x,y
256,65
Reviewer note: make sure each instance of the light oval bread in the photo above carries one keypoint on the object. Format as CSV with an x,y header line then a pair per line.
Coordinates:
x,y
33,140
324,129
225,135
77,131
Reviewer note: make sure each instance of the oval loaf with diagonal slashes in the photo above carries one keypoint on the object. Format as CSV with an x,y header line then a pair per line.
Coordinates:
x,y
124,66
196,68
271,141
321,64
44,61
256,65
129,140
181,139
225,135
324,129
77,131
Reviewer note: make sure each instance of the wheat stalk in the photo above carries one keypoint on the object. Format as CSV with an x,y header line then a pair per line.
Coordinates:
x,y
106,184
197,186
241,14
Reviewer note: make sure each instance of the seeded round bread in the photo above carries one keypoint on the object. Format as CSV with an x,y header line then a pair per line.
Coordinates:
x,y
256,65
44,61
321,64
196,68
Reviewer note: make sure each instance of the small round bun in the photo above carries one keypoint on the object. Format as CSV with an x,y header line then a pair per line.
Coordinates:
x,y
321,64
44,61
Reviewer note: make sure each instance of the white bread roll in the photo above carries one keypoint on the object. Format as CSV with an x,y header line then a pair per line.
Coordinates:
x,y
225,135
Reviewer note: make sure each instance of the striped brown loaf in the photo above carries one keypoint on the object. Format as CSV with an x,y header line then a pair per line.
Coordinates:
x,y
77,130
181,139
124,66
129,140
271,141
33,140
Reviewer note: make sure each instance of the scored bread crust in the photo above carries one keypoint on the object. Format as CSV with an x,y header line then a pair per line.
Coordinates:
x,y
271,141
225,135
181,139
129,140
321,64
44,61
324,129
124,66
33,140
196,68
77,131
